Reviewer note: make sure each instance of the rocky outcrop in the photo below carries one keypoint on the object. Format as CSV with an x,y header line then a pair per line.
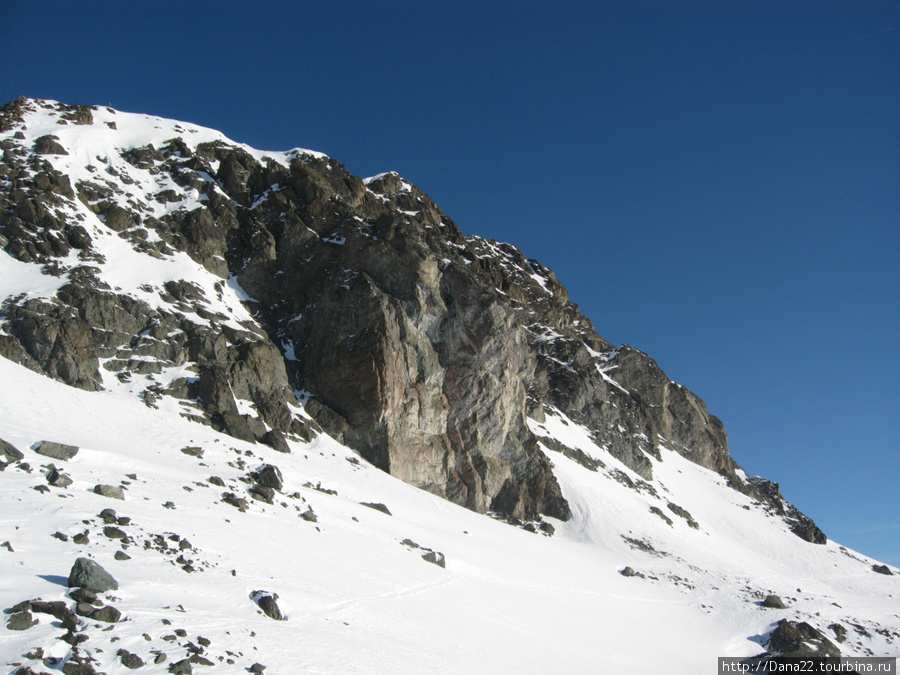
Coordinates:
x,y
424,349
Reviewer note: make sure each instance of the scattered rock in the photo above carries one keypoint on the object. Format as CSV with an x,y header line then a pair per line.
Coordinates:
x,y
882,569
436,558
256,668
215,480
108,614
129,660
121,555
801,640
21,621
182,667
773,602
627,572
267,603
88,574
309,516
58,479
61,536
269,476
111,491
59,451
7,546
239,503
81,539
276,440
263,493
84,595
193,451
114,532
840,633
9,453
378,507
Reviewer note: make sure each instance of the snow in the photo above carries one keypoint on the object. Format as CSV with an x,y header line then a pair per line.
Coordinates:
x,y
357,599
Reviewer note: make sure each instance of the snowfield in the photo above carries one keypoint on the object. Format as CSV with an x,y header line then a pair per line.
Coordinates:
x,y
357,599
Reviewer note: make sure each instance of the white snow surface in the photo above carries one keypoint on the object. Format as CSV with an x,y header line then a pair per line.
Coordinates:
x,y
358,599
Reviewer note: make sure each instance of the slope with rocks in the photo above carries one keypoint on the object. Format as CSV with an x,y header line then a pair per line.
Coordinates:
x,y
425,350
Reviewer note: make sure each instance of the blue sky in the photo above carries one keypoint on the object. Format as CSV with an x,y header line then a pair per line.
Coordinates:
x,y
717,184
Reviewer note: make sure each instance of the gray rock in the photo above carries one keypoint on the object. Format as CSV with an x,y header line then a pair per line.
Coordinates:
x,y
182,667
267,602
130,660
773,602
59,451
111,491
627,572
276,440
108,614
378,507
270,476
21,621
9,453
882,569
88,574
436,558
799,639
58,479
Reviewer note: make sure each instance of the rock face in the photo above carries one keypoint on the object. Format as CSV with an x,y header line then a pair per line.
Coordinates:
x,y
424,349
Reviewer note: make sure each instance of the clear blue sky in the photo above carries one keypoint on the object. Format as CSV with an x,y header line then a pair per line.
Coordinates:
x,y
717,183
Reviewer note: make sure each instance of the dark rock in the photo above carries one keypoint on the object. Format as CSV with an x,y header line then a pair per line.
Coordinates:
x,y
882,569
378,507
267,603
276,440
83,595
57,479
238,502
9,453
799,639
49,145
84,609
627,572
215,480
108,614
840,632
269,476
108,516
309,516
121,555
773,602
193,451
21,621
114,532
81,539
88,574
256,669
59,451
61,536
435,558
111,491
182,667
263,493
130,660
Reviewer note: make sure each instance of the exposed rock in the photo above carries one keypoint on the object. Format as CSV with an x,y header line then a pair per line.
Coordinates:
x,y
49,145
58,479
840,632
627,572
269,476
799,639
773,602
59,451
377,507
130,660
107,614
436,558
88,574
182,667
882,569
275,439
9,453
267,603
111,491
21,621
238,502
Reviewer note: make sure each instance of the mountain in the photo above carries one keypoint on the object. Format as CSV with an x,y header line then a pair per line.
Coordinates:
x,y
307,385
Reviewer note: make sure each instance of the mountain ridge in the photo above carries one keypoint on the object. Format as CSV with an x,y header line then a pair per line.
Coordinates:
x,y
289,307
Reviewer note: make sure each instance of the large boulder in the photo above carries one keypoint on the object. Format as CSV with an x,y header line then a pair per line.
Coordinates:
x,y
88,574
9,453
59,451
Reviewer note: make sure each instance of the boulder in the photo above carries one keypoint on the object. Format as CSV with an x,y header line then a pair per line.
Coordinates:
x,y
882,569
270,476
436,558
111,491
267,602
377,507
59,451
21,621
799,639
9,453
88,574
773,602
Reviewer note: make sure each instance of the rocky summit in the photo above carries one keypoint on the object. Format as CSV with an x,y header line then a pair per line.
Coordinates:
x,y
274,306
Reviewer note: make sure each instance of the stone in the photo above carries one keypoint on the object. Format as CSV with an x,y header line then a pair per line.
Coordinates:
x,y
58,479
49,145
59,451
799,639
130,660
239,503
121,555
107,614
269,476
21,621
88,574
267,602
436,558
111,491
773,602
83,595
182,667
9,453
263,493
627,572
276,440
882,569
378,507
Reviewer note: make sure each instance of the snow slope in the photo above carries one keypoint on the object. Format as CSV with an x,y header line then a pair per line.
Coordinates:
x,y
358,595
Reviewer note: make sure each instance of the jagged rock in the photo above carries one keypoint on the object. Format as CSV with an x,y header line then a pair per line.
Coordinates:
x,y
840,632
111,491
107,614
88,574
59,451
9,453
882,569
58,479
773,602
239,503
269,476
49,145
436,558
276,440
21,621
377,507
263,493
130,660
799,639
267,603
121,555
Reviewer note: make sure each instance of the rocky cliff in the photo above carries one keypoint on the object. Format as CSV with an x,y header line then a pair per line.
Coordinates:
x,y
365,312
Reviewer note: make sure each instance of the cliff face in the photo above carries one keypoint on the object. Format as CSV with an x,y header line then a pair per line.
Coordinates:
x,y
365,311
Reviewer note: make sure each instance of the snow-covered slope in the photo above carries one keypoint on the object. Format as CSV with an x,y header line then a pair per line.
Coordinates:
x,y
361,589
